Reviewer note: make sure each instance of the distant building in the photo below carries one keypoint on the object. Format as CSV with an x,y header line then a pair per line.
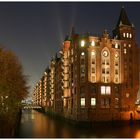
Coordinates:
x,y
95,78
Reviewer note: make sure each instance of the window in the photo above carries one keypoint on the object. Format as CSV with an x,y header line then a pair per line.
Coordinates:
x,y
93,70
82,102
93,53
116,46
82,43
116,89
116,102
93,79
105,90
130,35
105,102
103,62
82,70
82,53
102,89
108,90
116,71
107,71
107,62
93,101
93,89
82,78
116,63
124,51
116,80
129,45
92,61
123,34
82,61
93,43
103,70
82,90
127,35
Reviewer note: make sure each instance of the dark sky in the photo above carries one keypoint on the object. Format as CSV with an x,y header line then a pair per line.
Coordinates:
x,y
35,31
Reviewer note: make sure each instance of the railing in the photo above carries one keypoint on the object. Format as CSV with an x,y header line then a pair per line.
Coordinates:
x,y
31,107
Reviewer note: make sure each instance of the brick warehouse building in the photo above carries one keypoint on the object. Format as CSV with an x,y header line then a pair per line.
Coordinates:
x,y
94,78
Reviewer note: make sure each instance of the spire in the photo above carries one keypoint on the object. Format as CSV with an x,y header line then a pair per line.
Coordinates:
x,y
123,19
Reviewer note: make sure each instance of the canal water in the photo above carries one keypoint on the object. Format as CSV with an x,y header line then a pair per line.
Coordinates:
x,y
38,125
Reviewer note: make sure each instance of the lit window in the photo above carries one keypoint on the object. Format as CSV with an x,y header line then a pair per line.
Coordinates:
x,y
124,51
102,89
129,45
130,35
82,102
123,34
93,101
93,53
127,35
93,43
108,90
116,54
116,46
105,90
82,53
82,43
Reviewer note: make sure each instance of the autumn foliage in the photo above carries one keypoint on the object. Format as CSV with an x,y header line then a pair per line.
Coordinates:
x,y
12,81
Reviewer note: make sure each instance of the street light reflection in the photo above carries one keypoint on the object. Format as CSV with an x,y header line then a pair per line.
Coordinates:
x,y
137,135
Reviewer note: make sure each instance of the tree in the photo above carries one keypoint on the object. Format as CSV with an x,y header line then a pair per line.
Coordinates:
x,y
13,87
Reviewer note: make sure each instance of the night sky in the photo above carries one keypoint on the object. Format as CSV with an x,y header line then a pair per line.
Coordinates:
x,y
35,31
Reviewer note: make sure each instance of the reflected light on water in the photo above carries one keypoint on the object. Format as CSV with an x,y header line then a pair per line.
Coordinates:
x,y
137,135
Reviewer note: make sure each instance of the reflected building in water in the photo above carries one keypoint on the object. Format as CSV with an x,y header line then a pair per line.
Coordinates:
x,y
94,78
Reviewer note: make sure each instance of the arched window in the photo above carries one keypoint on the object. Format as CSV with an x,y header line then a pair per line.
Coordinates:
x,y
105,65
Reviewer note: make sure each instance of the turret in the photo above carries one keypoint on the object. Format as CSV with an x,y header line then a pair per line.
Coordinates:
x,y
124,28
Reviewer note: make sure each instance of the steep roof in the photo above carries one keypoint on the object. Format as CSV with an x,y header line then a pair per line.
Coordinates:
x,y
123,19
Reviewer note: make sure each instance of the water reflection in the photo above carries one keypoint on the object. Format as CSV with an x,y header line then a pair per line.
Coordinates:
x,y
37,125
137,135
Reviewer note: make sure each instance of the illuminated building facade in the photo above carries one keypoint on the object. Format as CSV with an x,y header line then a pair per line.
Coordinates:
x,y
95,78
